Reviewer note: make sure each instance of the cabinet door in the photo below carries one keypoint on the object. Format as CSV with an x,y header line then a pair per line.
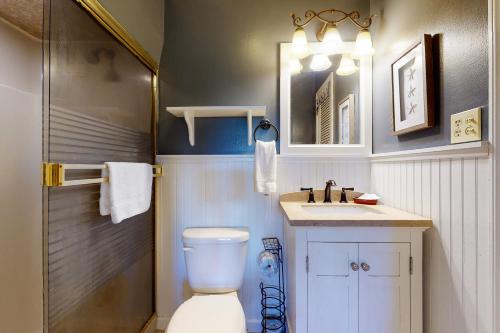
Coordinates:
x,y
332,304
384,288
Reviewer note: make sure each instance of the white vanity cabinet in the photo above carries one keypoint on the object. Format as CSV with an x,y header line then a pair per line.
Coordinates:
x,y
354,279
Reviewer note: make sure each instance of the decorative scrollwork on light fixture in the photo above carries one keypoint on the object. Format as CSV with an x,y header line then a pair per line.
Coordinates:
x,y
310,15
330,39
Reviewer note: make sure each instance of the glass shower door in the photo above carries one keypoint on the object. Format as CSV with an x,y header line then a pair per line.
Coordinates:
x,y
99,276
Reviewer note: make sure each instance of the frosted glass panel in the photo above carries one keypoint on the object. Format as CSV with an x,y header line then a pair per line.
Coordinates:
x,y
100,275
94,74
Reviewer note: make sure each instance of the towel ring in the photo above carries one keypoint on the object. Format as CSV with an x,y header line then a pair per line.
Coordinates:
x,y
265,124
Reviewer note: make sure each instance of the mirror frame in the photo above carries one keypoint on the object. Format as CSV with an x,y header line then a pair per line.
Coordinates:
x,y
364,148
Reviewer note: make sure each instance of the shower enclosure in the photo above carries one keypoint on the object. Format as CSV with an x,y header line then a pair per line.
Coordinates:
x,y
99,104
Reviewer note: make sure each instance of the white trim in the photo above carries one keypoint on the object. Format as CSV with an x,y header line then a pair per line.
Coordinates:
x,y
365,109
235,157
494,130
463,150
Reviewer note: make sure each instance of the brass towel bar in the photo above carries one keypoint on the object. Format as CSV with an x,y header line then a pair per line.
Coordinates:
x,y
54,174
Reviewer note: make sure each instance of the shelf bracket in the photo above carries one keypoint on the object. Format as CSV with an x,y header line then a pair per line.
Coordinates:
x,y
189,118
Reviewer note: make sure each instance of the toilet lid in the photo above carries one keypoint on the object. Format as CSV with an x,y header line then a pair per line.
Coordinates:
x,y
209,314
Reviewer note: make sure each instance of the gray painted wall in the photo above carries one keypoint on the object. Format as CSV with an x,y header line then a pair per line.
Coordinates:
x,y
142,19
461,57
226,52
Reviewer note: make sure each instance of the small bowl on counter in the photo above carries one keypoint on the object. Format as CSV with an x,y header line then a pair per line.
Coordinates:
x,y
367,199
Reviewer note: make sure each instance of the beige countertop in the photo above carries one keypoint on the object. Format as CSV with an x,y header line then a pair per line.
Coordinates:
x,y
302,214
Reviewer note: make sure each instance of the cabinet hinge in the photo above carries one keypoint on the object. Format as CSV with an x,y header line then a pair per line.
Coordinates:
x,y
411,265
307,264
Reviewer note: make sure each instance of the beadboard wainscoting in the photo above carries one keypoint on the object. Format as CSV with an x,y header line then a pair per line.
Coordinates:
x,y
203,191
456,192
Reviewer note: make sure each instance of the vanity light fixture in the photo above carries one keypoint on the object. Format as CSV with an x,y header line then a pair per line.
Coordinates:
x,y
332,42
347,66
299,43
330,38
363,46
320,62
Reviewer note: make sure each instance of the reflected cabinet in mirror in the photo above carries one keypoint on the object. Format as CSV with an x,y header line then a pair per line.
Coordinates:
x,y
325,103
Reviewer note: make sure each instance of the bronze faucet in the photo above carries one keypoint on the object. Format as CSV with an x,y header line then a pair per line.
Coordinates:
x,y
328,190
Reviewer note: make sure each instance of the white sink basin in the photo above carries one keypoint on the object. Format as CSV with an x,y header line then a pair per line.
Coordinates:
x,y
339,210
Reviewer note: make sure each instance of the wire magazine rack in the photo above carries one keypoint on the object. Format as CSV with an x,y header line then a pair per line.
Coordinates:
x,y
273,296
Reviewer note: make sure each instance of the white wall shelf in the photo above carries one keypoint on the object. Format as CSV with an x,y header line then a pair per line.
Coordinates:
x,y
189,113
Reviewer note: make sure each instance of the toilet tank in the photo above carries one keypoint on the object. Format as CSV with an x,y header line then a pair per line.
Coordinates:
x,y
215,258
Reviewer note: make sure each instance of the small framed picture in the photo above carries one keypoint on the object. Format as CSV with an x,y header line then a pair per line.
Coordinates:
x,y
413,89
346,118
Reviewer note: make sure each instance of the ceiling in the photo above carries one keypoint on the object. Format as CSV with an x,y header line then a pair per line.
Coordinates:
x,y
25,14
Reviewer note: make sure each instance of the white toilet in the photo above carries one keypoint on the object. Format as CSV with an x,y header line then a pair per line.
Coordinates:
x,y
215,262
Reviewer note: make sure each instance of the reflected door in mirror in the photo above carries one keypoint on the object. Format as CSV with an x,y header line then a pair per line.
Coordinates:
x,y
323,108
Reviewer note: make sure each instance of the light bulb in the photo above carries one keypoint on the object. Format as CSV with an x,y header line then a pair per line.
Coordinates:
x,y
332,42
363,46
320,62
299,43
347,66
295,66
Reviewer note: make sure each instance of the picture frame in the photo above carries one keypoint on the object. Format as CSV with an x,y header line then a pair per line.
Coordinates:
x,y
413,89
347,120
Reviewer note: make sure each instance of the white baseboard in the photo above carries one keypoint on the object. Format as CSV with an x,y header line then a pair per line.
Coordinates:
x,y
162,323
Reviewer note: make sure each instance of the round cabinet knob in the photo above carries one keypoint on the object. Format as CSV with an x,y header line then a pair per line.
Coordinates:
x,y
354,266
365,266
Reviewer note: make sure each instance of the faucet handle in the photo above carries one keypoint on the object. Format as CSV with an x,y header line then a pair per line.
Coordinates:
x,y
311,194
343,195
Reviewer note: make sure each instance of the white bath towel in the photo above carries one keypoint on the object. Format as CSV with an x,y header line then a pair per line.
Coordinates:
x,y
128,190
265,167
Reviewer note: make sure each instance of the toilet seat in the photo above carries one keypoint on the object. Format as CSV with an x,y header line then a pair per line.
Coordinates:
x,y
217,313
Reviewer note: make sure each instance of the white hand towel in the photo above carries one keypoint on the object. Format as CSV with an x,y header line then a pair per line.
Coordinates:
x,y
265,167
128,190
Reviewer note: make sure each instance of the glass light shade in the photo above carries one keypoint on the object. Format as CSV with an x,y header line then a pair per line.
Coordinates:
x,y
295,66
299,43
347,66
320,62
363,46
332,42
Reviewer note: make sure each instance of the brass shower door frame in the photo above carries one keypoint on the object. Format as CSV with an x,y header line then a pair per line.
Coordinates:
x,y
108,22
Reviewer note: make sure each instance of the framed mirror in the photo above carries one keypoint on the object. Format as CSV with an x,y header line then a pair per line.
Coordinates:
x,y
322,112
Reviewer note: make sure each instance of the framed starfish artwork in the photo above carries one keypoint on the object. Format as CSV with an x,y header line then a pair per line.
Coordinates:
x,y
413,89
